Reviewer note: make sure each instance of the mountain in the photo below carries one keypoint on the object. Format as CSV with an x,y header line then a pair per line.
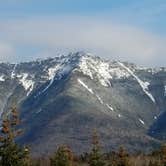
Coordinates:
x,y
62,99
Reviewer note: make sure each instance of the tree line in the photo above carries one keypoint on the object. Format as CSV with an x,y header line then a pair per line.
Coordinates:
x,y
12,154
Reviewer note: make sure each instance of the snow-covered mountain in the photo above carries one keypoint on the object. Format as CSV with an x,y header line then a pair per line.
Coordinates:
x,y
63,99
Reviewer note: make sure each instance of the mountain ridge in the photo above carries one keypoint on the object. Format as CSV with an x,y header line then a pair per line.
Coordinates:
x,y
69,96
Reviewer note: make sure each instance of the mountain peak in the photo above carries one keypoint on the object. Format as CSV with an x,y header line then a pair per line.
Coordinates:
x,y
67,94
102,71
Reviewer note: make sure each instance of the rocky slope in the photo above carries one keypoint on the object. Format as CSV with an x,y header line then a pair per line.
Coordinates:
x,y
62,99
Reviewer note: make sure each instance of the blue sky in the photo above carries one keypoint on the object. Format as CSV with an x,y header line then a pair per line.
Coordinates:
x,y
59,6
117,29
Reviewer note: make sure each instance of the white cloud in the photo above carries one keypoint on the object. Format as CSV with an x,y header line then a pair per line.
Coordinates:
x,y
103,37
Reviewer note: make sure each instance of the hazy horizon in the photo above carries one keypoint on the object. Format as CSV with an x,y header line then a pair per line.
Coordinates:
x,y
123,30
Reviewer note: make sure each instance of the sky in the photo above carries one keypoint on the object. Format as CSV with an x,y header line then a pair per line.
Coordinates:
x,y
126,30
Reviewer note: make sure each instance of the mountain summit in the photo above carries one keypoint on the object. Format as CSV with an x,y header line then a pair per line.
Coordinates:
x,y
62,99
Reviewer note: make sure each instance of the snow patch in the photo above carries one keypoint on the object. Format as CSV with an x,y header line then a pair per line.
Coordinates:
x,y
119,115
144,85
57,72
51,74
52,71
118,73
141,121
26,83
103,71
96,68
2,79
85,68
155,117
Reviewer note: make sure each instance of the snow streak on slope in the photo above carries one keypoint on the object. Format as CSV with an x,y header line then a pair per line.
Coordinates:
x,y
85,86
57,72
26,83
13,72
51,74
109,107
141,121
165,90
97,96
144,85
90,90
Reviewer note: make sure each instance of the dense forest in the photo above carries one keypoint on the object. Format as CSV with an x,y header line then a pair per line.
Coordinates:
x,y
12,154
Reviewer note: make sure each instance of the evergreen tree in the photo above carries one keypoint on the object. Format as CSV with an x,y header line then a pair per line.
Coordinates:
x,y
162,153
62,157
11,154
155,163
96,157
123,159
